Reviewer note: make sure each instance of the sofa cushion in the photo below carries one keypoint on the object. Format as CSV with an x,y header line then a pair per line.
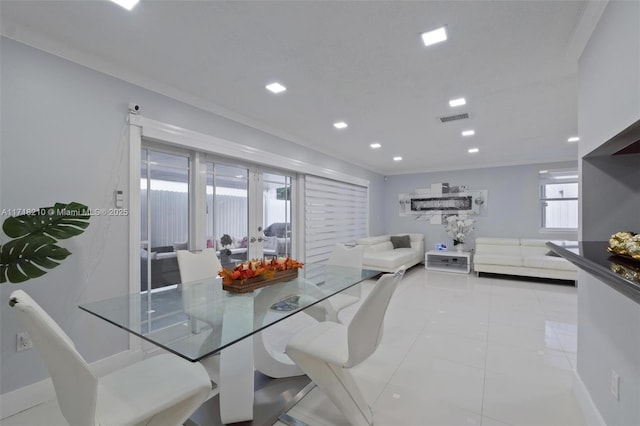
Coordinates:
x,y
402,241
497,259
548,262
500,250
498,241
389,258
380,247
369,241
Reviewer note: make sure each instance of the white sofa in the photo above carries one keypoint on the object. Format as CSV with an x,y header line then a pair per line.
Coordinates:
x,y
520,256
380,255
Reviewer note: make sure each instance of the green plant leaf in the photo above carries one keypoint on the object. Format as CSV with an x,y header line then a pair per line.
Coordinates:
x,y
60,221
29,257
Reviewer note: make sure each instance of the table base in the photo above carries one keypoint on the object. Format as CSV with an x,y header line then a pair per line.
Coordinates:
x,y
272,398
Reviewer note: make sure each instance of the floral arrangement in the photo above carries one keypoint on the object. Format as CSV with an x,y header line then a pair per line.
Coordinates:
x,y
459,227
258,268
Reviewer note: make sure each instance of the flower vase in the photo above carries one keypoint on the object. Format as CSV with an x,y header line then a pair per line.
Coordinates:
x,y
459,247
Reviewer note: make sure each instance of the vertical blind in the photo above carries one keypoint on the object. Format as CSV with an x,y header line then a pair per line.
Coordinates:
x,y
335,213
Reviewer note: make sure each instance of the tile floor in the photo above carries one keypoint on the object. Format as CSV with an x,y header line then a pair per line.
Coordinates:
x,y
462,350
457,350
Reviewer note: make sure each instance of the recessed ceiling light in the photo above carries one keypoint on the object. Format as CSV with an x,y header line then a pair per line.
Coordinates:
x,y
375,145
473,150
340,125
275,87
127,4
543,171
468,132
573,139
434,36
397,158
457,102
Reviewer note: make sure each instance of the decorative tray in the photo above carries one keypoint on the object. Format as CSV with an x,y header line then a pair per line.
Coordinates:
x,y
252,284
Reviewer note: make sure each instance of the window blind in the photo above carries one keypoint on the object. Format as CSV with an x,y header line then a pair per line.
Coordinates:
x,y
335,213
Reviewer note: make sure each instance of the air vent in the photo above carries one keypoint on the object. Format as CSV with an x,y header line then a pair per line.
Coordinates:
x,y
454,117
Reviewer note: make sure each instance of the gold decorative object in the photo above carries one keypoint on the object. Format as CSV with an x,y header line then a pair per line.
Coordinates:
x,y
625,244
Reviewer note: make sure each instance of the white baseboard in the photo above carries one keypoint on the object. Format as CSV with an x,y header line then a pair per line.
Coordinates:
x,y
589,409
31,395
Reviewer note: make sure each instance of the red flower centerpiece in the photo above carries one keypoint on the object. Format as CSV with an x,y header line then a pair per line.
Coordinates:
x,y
254,274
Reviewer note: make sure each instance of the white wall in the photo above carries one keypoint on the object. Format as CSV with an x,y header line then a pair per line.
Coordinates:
x,y
64,139
513,202
609,101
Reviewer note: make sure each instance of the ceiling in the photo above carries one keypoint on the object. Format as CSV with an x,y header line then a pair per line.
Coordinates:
x,y
362,62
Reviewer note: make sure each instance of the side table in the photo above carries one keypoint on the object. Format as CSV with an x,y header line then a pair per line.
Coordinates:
x,y
448,261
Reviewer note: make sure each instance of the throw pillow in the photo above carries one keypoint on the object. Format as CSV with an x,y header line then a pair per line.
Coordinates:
x,y
402,241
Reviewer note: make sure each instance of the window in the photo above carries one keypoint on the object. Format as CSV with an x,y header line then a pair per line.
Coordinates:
x,y
559,199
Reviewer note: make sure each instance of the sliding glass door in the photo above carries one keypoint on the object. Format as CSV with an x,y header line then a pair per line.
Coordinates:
x,y
249,213
276,214
192,201
227,214
164,227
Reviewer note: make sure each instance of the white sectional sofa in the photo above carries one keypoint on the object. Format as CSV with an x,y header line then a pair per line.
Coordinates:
x,y
520,256
379,252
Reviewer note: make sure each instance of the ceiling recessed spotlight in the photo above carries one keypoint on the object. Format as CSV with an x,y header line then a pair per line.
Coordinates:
x,y
275,87
468,132
434,36
473,150
340,125
573,139
457,102
375,145
397,158
127,4
543,171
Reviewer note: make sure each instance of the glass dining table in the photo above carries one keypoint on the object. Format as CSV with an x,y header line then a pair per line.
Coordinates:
x,y
198,320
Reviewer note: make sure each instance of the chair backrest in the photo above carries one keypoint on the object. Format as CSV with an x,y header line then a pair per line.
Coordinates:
x,y
198,266
75,385
346,256
365,329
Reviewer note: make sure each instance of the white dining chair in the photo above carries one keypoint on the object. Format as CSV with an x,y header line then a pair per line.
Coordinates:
x,y
269,356
232,368
162,390
196,267
350,257
328,310
328,350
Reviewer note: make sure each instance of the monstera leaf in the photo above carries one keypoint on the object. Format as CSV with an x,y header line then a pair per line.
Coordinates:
x,y
33,250
61,221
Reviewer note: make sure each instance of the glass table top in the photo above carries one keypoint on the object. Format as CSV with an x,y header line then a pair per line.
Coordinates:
x,y
197,319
